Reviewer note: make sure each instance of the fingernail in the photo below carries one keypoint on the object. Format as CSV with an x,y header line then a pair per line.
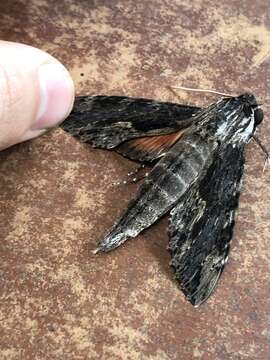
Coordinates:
x,y
56,95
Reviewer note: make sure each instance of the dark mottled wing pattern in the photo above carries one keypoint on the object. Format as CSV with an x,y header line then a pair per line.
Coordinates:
x,y
197,177
107,121
201,225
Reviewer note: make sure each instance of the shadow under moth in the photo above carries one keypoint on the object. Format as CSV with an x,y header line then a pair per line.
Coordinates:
x,y
198,158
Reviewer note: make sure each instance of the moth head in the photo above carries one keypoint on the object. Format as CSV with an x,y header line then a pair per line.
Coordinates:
x,y
239,116
250,105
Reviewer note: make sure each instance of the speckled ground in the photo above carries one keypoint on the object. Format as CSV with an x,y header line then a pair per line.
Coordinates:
x,y
58,300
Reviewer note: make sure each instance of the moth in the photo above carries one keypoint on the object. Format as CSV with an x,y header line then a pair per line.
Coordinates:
x,y
198,157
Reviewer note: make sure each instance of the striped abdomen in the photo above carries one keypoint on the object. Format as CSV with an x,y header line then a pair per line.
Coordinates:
x,y
167,182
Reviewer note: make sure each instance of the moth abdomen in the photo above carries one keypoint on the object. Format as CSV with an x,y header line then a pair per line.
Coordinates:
x,y
170,178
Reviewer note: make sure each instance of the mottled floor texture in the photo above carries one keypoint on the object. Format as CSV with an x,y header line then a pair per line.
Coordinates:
x,y
57,299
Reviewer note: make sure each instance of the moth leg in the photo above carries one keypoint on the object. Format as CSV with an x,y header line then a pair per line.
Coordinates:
x,y
264,150
134,176
262,147
139,178
136,171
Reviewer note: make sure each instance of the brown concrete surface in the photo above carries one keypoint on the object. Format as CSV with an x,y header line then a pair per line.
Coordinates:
x,y
58,300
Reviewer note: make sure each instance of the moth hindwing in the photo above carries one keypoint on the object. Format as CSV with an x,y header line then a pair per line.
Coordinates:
x,y
198,158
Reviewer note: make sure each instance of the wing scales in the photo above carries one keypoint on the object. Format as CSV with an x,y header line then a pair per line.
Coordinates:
x,y
149,148
107,121
201,226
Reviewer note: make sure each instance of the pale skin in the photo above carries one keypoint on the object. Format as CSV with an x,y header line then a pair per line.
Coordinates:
x,y
36,93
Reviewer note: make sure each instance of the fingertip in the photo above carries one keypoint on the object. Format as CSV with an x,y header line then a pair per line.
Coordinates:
x,y
36,92
56,95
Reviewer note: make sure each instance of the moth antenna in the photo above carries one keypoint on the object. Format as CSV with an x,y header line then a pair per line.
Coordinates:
x,y
203,90
264,150
262,60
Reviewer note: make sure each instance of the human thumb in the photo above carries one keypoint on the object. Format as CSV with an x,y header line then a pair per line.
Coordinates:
x,y
36,93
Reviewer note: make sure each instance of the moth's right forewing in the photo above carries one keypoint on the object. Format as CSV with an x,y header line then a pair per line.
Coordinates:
x,y
201,225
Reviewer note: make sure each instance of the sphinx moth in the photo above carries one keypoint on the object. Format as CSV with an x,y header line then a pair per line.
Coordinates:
x,y
198,159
